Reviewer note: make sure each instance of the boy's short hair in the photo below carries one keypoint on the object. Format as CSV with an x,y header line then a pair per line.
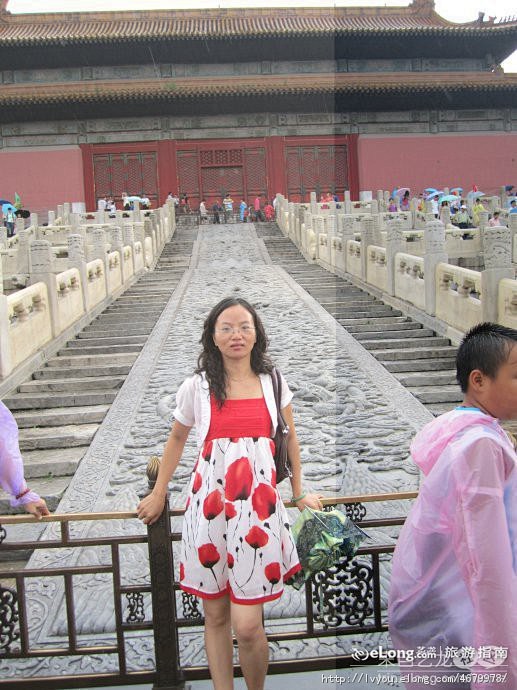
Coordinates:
x,y
485,347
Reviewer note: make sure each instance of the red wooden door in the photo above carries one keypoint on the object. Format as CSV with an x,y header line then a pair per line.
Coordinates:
x,y
316,168
134,173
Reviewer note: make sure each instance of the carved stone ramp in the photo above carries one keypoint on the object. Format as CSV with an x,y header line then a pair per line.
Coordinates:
x,y
60,408
423,362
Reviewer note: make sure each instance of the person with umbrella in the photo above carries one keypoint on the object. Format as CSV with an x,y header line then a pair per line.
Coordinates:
x,y
476,210
9,212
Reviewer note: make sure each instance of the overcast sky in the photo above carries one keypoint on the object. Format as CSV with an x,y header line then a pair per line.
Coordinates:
x,y
457,11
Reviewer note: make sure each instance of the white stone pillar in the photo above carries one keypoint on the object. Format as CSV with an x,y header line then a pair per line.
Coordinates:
x,y
314,204
22,256
42,259
434,243
394,243
445,215
5,350
66,213
77,259
51,218
497,256
367,239
3,236
34,220
99,252
116,246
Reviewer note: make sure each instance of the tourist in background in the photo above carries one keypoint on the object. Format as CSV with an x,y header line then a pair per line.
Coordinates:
x,y
216,210
392,206
11,468
476,210
203,213
513,206
462,218
237,548
269,212
242,209
228,208
9,221
404,203
495,221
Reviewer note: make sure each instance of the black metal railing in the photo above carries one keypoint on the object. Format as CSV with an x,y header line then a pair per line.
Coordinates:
x,y
343,600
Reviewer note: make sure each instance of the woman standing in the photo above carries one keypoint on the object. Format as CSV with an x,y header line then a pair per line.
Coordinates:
x,y
237,548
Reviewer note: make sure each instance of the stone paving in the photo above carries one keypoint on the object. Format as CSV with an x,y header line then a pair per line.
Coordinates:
x,y
354,421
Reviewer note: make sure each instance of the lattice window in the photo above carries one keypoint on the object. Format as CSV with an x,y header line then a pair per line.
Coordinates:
x,y
118,176
341,169
256,180
188,172
134,174
150,175
101,172
206,157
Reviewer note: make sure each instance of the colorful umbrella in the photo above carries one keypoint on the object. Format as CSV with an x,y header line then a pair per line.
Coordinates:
x,y
8,207
435,193
457,189
430,189
475,194
402,190
4,201
447,197
135,198
322,540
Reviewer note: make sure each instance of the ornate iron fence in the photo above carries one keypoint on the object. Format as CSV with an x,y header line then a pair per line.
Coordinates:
x,y
343,600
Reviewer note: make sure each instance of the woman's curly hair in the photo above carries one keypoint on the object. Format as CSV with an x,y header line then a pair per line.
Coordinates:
x,y
210,360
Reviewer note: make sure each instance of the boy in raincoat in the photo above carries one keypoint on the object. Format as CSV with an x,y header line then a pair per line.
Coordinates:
x,y
454,582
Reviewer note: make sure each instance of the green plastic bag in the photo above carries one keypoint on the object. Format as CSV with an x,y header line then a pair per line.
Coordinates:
x,y
322,539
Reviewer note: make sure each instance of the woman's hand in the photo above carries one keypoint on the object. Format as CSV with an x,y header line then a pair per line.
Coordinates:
x,y
150,508
310,501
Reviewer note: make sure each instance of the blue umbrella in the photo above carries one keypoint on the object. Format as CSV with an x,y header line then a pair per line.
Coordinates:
x,y
476,194
448,197
135,198
8,207
435,193
457,189
430,189
5,201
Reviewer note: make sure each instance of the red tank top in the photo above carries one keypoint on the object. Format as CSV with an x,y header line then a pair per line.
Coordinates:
x,y
239,419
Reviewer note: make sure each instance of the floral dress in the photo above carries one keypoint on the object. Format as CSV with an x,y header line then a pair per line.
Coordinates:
x,y
236,536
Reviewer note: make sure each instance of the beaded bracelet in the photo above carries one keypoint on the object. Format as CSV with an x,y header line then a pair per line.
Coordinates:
x,y
23,493
298,498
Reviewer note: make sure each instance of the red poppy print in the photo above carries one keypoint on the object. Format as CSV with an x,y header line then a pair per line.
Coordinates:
x,y
273,477
272,572
213,505
231,560
207,450
208,555
272,446
229,510
182,571
196,485
239,480
256,537
264,501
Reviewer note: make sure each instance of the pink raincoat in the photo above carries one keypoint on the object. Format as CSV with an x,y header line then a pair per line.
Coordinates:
x,y
11,463
454,581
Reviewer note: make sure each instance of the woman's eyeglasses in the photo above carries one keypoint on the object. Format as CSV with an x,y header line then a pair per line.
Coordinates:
x,y
245,329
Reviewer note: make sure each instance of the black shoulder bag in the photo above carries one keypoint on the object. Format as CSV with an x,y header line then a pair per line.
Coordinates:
x,y
282,463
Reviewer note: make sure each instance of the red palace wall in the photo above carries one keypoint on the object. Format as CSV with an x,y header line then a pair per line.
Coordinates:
x,y
459,160
43,178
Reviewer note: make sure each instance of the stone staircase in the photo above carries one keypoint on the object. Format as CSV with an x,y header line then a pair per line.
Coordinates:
x,y
60,408
422,361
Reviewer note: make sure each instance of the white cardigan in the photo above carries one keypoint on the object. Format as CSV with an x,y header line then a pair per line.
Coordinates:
x,y
193,403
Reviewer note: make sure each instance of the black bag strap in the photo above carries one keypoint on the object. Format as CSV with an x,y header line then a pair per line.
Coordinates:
x,y
276,379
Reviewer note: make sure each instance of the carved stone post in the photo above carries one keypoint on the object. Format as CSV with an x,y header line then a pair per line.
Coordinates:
x,y
76,259
51,218
394,243
291,234
128,235
314,204
99,252
116,246
3,237
34,220
498,265
60,212
307,223
22,257
148,231
66,213
347,233
5,350
319,228
41,262
434,243
445,214
161,566
348,202
367,239
99,217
